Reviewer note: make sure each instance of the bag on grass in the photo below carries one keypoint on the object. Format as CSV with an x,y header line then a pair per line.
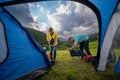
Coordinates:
x,y
77,53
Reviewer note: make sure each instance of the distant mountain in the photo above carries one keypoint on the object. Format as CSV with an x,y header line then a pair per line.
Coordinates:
x,y
62,39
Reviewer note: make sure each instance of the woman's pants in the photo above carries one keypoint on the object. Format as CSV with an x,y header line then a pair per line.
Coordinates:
x,y
52,50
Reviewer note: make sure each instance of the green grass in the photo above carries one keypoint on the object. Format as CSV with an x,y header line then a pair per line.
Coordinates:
x,y
68,68
93,45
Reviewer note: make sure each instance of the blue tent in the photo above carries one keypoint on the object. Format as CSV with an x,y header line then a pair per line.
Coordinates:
x,y
109,22
21,54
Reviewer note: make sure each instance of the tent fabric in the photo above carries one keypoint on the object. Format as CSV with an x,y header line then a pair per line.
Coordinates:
x,y
39,47
3,45
117,68
107,43
106,13
23,56
111,57
1,1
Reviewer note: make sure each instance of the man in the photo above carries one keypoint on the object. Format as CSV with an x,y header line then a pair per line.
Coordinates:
x,y
82,40
52,39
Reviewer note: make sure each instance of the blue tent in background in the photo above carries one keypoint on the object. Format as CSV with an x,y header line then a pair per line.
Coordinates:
x,y
21,55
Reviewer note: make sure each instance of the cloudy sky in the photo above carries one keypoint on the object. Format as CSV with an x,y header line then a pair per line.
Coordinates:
x,y
67,18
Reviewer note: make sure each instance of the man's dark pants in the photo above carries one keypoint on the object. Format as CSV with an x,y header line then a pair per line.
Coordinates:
x,y
85,45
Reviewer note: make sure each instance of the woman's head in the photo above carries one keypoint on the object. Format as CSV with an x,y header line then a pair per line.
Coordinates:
x,y
51,30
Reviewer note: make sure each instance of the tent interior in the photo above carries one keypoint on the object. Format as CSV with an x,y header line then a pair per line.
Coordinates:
x,y
30,15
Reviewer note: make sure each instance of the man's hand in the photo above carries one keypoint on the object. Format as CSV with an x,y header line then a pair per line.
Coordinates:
x,y
74,46
70,49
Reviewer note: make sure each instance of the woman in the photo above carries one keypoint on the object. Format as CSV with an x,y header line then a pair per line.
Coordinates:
x,y
52,39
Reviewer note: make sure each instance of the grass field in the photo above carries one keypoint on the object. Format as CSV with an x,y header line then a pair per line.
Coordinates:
x,y
68,68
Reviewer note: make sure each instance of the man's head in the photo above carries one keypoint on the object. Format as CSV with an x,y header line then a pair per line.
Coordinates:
x,y
51,30
71,39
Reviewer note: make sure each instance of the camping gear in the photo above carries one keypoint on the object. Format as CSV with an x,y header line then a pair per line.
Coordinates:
x,y
87,57
77,53
52,41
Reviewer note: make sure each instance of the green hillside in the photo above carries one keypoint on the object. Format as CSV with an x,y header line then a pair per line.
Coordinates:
x,y
39,36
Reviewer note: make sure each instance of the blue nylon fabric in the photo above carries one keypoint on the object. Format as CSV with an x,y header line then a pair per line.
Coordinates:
x,y
117,68
106,8
1,1
23,56
39,47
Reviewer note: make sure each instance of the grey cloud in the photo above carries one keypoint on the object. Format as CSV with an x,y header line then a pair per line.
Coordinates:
x,y
22,13
82,18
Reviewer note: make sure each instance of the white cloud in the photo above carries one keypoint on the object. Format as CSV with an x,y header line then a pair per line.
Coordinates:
x,y
37,5
54,21
73,18
63,9
41,9
43,27
35,18
81,28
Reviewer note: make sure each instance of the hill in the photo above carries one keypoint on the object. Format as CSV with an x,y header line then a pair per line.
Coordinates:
x,y
39,36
